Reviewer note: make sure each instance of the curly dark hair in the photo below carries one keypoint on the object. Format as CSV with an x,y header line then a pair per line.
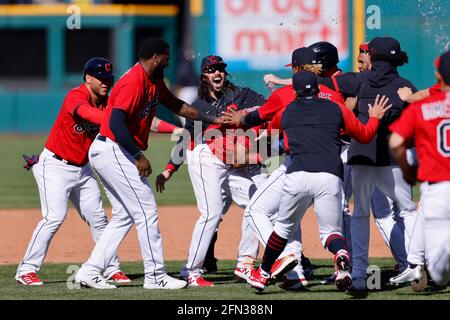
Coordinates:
x,y
396,59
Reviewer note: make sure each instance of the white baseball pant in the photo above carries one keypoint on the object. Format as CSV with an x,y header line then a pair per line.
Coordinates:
x,y
239,189
436,213
208,176
133,202
390,227
389,180
321,188
57,183
262,213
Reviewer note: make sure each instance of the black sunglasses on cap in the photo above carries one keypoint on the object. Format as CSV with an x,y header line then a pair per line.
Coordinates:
x,y
214,68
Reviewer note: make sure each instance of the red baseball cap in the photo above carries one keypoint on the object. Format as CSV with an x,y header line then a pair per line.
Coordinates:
x,y
363,48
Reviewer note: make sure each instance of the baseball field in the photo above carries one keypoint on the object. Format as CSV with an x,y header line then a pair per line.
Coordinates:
x,y
19,213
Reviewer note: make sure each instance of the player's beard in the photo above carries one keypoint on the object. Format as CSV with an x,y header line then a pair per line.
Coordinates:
x,y
158,73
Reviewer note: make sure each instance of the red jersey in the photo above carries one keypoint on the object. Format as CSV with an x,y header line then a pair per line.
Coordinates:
x,y
428,122
232,146
135,94
71,136
435,89
325,93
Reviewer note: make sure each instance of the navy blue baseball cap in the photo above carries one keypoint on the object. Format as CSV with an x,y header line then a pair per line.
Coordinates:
x,y
210,61
443,66
100,68
305,83
384,45
302,56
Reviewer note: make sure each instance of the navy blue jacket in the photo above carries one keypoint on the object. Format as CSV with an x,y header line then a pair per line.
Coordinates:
x,y
382,79
312,126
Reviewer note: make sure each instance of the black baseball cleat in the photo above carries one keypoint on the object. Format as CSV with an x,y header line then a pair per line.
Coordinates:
x,y
308,268
210,266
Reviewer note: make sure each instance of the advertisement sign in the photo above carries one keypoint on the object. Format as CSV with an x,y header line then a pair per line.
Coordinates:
x,y
261,34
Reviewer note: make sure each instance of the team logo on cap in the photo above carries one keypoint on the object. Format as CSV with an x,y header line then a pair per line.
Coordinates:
x,y
107,67
213,59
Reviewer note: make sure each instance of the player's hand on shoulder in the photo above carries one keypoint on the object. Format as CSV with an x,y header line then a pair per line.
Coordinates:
x,y
143,166
404,93
379,107
161,180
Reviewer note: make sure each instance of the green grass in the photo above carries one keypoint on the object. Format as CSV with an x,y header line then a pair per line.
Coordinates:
x,y
55,279
18,188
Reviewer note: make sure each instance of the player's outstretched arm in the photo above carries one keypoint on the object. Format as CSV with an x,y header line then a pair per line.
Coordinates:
x,y
407,95
186,110
273,79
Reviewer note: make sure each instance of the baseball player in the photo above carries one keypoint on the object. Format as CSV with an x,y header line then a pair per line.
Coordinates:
x,y
382,207
63,172
263,207
312,128
372,165
216,183
428,123
117,156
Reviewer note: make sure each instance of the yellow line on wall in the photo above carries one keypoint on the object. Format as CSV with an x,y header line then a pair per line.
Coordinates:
x,y
90,10
196,7
359,28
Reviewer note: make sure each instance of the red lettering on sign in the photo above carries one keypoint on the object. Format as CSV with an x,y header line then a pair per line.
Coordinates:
x,y
311,10
239,7
286,6
252,38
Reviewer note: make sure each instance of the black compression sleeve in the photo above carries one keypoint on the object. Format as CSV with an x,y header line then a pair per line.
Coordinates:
x,y
253,119
205,117
121,132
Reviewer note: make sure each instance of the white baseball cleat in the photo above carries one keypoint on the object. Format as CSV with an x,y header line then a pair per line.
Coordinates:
x,y
410,274
166,282
92,280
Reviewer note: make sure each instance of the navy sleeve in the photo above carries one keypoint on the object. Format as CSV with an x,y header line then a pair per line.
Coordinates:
x,y
253,119
121,132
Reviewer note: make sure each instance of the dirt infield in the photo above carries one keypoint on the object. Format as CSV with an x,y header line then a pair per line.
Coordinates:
x,y
73,243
